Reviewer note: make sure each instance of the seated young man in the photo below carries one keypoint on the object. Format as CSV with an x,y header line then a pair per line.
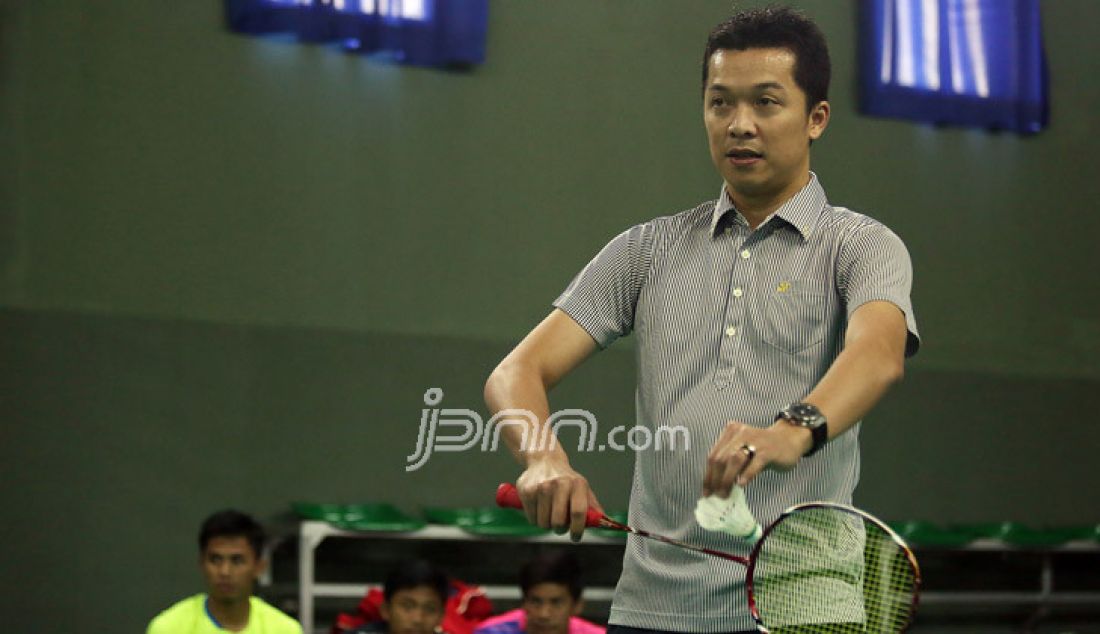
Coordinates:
x,y
551,586
413,598
230,558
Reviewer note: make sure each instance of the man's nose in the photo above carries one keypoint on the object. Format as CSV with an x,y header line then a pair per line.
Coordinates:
x,y
741,123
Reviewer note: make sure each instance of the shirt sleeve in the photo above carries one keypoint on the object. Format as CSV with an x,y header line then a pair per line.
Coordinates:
x,y
874,265
603,296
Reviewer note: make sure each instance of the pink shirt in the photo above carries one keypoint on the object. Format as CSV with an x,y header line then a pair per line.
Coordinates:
x,y
515,622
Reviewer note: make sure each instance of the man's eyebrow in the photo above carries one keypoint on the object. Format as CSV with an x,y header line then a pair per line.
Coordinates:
x,y
766,85
770,85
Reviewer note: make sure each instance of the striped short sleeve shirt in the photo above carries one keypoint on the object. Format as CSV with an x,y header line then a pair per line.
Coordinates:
x,y
731,324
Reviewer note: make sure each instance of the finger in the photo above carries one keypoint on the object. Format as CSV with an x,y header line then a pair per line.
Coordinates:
x,y
559,511
716,472
729,476
712,473
530,503
741,459
578,511
708,475
545,503
751,470
718,457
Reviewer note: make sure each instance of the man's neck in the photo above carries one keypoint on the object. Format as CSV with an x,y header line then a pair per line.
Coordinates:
x,y
757,209
231,615
755,215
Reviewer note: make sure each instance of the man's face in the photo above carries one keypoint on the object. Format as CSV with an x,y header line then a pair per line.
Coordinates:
x,y
757,124
416,610
549,606
230,568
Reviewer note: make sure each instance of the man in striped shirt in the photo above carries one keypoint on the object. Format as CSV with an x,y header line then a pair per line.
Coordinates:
x,y
768,323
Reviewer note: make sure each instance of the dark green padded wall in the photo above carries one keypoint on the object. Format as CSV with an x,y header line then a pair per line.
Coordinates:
x,y
162,167
230,268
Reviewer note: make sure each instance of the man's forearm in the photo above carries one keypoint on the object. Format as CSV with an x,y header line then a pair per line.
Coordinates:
x,y
514,387
859,377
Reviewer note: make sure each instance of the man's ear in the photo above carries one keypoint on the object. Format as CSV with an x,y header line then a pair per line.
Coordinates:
x,y
578,607
384,610
261,568
819,120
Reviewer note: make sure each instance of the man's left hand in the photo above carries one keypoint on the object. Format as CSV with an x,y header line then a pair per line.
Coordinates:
x,y
742,452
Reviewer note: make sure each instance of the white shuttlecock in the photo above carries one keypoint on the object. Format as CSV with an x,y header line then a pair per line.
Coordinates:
x,y
730,515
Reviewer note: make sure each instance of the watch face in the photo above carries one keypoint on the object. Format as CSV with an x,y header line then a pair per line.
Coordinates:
x,y
803,410
805,414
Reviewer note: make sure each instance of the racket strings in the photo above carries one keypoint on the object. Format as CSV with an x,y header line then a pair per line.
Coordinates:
x,y
828,571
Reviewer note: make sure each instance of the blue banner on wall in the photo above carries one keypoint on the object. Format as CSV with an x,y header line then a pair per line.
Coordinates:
x,y
441,33
960,62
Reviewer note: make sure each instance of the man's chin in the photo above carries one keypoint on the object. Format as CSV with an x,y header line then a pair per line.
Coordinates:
x,y
747,186
226,596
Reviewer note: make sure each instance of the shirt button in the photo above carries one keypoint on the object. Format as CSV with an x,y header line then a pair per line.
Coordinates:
x,y
746,254
737,292
731,331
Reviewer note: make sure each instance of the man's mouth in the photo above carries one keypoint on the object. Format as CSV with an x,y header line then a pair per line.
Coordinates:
x,y
744,156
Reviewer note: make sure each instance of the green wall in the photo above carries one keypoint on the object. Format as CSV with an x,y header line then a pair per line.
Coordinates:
x,y
230,268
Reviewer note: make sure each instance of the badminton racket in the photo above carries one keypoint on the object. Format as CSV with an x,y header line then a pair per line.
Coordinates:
x,y
820,568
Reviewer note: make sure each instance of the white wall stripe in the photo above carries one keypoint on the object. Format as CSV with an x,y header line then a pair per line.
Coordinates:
x,y
887,64
977,47
930,66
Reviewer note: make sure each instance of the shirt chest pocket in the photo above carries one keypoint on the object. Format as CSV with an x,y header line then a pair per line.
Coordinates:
x,y
794,316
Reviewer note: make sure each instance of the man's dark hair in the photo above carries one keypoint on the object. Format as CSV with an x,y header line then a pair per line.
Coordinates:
x,y
413,574
232,523
555,567
778,27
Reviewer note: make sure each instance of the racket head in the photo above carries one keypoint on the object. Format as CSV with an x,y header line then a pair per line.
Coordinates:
x,y
827,568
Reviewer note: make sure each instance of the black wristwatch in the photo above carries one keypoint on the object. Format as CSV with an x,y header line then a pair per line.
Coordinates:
x,y
808,416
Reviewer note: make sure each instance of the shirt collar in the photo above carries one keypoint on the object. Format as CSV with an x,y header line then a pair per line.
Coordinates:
x,y
800,212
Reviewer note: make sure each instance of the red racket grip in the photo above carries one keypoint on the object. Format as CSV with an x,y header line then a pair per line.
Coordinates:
x,y
508,497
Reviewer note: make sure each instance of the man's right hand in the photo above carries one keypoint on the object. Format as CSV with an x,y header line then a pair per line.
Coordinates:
x,y
555,496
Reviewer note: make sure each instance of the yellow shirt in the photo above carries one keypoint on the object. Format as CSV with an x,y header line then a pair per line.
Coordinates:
x,y
190,617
